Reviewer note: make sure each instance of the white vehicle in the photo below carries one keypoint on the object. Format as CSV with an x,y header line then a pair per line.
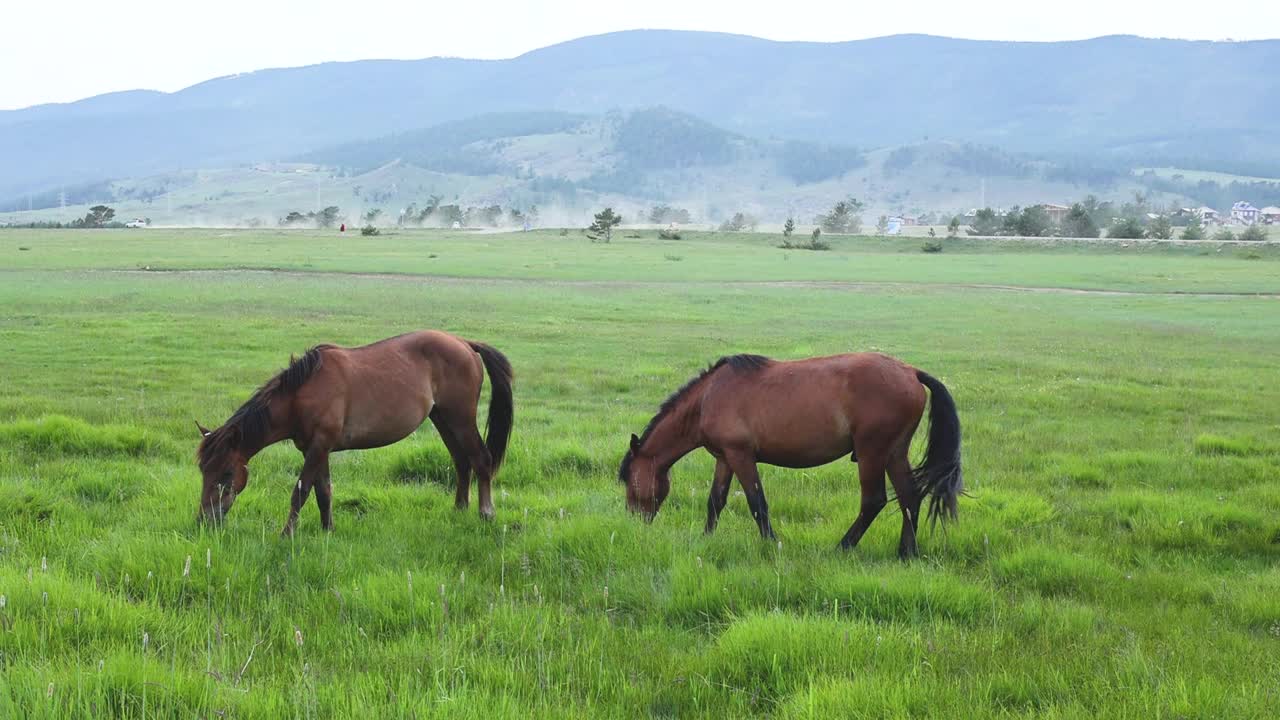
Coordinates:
x,y
136,223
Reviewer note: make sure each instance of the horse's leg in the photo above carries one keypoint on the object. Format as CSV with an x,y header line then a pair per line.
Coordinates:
x,y
473,446
871,477
324,495
461,461
719,493
315,465
909,499
744,466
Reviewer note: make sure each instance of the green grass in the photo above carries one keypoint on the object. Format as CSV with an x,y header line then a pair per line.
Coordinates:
x,y
703,257
1194,176
1118,557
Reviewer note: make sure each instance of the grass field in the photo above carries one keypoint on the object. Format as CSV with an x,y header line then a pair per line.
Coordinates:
x,y
1200,175
1117,558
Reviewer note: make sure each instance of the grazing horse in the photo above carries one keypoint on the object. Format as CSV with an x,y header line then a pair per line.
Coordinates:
x,y
334,398
746,409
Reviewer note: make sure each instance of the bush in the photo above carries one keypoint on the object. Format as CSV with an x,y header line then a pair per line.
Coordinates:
x,y
931,246
1224,235
370,230
815,242
985,223
1126,228
738,223
1194,230
1160,229
668,234
1078,224
845,217
1254,233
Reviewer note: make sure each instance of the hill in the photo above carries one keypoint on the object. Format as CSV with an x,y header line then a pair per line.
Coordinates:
x,y
570,164
1127,100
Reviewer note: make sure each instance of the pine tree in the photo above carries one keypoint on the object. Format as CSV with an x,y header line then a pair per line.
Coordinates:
x,y
602,229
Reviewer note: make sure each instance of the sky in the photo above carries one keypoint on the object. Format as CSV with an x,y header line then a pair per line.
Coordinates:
x,y
70,49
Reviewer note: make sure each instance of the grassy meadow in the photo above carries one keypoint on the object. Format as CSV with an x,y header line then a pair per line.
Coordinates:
x,y
1118,556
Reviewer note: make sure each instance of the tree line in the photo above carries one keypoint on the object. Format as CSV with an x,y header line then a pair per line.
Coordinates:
x,y
1131,220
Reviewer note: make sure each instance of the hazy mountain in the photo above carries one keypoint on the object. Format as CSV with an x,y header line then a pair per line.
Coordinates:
x,y
571,164
1135,100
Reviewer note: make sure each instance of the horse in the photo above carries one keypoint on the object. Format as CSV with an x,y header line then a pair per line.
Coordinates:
x,y
749,409
336,398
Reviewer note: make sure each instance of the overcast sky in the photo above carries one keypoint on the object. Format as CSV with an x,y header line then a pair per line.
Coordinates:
x,y
57,51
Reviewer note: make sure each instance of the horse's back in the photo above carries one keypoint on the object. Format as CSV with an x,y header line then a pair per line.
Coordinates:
x,y
381,392
807,412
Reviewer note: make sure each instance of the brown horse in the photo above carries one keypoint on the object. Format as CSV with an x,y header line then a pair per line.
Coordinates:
x,y
747,409
335,398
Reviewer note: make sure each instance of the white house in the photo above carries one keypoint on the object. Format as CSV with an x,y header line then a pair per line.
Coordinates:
x,y
1270,215
1208,215
1245,213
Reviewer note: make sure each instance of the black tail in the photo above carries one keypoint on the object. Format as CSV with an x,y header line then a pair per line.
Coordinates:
x,y
939,477
501,405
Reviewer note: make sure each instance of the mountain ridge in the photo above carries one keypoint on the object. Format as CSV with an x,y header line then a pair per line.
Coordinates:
x,y
1110,98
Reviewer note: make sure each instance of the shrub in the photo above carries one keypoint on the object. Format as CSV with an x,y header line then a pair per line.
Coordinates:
x,y
845,217
738,223
815,242
1126,228
1194,229
1160,229
1254,233
931,246
1224,235
668,234
370,230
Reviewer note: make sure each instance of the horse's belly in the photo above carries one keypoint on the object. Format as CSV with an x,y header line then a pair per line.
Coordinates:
x,y
376,429
805,456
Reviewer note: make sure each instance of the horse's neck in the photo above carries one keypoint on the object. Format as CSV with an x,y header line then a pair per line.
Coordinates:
x,y
676,434
278,429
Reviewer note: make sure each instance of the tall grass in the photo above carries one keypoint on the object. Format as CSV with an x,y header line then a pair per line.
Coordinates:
x,y
1117,558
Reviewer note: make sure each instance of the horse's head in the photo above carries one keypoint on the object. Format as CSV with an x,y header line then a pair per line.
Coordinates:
x,y
647,484
225,470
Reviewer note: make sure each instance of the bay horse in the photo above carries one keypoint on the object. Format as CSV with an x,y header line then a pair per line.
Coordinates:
x,y
335,398
748,409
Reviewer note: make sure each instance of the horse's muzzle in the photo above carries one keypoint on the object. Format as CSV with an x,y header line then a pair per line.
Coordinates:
x,y
213,516
637,509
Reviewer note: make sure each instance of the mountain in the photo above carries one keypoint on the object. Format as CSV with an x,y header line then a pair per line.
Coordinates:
x,y
1120,99
572,164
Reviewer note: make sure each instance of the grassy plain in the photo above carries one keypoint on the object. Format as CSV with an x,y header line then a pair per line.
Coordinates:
x,y
1118,557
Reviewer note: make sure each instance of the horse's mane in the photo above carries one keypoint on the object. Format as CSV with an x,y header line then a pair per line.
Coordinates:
x,y
250,425
747,363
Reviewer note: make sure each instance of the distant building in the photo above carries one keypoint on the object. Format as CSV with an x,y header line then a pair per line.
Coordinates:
x,y
1056,213
1245,213
1270,215
1208,215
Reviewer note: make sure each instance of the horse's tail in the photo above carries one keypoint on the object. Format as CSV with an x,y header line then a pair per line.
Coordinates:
x,y
501,404
938,477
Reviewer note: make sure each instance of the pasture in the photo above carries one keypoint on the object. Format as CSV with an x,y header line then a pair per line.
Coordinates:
x,y
1117,558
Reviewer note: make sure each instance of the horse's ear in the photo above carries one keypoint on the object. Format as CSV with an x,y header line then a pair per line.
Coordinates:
x,y
204,431
635,443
